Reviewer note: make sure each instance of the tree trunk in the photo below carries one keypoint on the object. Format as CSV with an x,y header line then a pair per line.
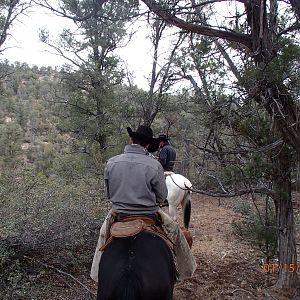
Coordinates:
x,y
287,255
281,107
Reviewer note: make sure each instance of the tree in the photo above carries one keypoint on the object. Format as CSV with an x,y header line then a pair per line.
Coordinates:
x,y
10,10
263,44
265,39
145,106
159,82
93,71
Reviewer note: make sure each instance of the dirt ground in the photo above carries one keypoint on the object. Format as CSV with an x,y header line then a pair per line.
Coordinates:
x,y
227,268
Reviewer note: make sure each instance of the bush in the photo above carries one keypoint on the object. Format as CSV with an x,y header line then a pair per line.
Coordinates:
x,y
11,273
258,227
45,212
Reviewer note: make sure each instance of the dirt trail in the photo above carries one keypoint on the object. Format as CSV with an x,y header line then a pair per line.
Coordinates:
x,y
227,268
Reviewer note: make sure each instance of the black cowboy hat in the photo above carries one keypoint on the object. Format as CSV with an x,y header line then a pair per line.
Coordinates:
x,y
145,133
163,137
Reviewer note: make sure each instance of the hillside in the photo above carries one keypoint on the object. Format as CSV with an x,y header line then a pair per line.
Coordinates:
x,y
52,196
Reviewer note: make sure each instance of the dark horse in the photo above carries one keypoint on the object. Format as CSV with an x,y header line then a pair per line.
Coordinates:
x,y
140,267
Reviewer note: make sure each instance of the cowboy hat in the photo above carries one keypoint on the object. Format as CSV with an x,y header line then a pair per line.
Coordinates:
x,y
145,133
163,137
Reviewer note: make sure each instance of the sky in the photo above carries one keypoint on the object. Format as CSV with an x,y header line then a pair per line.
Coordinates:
x,y
24,46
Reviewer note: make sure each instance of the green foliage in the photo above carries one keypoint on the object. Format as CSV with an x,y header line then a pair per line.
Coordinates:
x,y
258,227
89,81
11,273
282,66
51,211
69,166
49,200
10,140
258,167
48,196
257,126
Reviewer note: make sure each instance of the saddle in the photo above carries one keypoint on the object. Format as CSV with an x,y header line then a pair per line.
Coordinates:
x,y
132,226
128,228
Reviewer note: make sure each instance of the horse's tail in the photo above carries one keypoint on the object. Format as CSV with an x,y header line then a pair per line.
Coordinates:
x,y
128,288
187,209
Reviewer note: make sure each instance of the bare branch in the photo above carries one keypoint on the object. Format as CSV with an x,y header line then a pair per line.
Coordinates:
x,y
232,66
262,149
14,9
62,12
241,192
60,272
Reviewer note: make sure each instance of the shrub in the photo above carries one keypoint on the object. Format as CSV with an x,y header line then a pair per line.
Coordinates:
x,y
11,273
258,227
42,211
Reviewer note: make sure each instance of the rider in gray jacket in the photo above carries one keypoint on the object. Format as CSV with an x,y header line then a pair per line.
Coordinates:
x,y
135,181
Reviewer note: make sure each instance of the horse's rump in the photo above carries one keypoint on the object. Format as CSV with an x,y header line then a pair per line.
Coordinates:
x,y
140,267
179,194
178,180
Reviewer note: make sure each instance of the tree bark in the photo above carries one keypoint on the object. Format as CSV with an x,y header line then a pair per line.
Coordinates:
x,y
287,255
280,105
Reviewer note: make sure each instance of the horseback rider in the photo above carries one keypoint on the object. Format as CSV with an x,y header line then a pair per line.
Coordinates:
x,y
134,181
167,154
135,185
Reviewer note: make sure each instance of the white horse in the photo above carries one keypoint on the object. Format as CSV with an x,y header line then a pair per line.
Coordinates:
x,y
179,193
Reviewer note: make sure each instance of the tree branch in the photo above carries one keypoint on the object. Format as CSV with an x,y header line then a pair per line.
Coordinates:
x,y
62,12
61,272
14,9
241,192
265,148
199,29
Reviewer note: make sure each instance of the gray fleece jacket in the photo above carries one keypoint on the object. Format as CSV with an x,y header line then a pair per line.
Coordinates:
x,y
135,182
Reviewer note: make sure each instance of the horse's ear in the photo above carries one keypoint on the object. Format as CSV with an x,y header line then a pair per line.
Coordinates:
x,y
188,237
